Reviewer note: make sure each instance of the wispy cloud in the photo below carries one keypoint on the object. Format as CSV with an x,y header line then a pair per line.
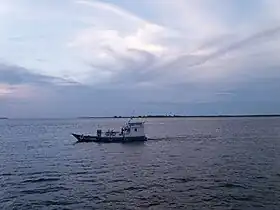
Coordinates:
x,y
110,8
255,39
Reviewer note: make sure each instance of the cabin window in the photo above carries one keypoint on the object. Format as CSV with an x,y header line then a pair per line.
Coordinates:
x,y
135,129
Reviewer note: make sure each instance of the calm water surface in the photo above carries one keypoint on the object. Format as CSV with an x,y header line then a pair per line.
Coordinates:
x,y
221,163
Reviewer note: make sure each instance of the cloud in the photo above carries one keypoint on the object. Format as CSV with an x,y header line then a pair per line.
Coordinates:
x,y
174,54
117,40
10,74
18,82
197,51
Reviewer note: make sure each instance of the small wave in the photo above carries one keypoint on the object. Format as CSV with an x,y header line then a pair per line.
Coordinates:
x,y
102,172
43,190
210,198
41,180
155,186
6,174
154,200
183,180
119,191
79,173
232,185
122,190
39,173
7,204
90,180
119,180
153,204
135,188
260,177
243,198
173,156
57,203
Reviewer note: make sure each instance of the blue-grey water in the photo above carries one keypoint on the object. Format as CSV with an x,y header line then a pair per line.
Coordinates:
x,y
218,163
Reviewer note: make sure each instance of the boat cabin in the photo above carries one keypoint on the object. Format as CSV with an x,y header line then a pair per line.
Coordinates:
x,y
131,129
134,129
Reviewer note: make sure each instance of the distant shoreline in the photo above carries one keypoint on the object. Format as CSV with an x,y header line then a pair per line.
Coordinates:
x,y
181,116
153,116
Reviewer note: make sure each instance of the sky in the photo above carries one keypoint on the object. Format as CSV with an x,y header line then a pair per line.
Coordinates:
x,y
72,58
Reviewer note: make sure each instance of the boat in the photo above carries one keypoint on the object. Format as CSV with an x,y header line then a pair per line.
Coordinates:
x,y
130,132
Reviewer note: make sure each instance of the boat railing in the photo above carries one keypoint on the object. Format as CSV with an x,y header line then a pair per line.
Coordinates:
x,y
111,132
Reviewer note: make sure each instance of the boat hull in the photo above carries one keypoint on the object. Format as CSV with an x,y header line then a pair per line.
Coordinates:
x,y
115,139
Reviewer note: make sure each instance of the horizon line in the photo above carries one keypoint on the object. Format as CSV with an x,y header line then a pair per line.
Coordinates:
x,y
149,116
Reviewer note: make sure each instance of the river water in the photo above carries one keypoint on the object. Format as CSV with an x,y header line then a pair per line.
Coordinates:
x,y
199,163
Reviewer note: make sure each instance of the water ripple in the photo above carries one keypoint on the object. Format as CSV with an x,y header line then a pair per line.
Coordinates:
x,y
43,190
193,164
41,180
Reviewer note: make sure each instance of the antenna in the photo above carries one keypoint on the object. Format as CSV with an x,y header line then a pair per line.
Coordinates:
x,y
131,117
133,113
